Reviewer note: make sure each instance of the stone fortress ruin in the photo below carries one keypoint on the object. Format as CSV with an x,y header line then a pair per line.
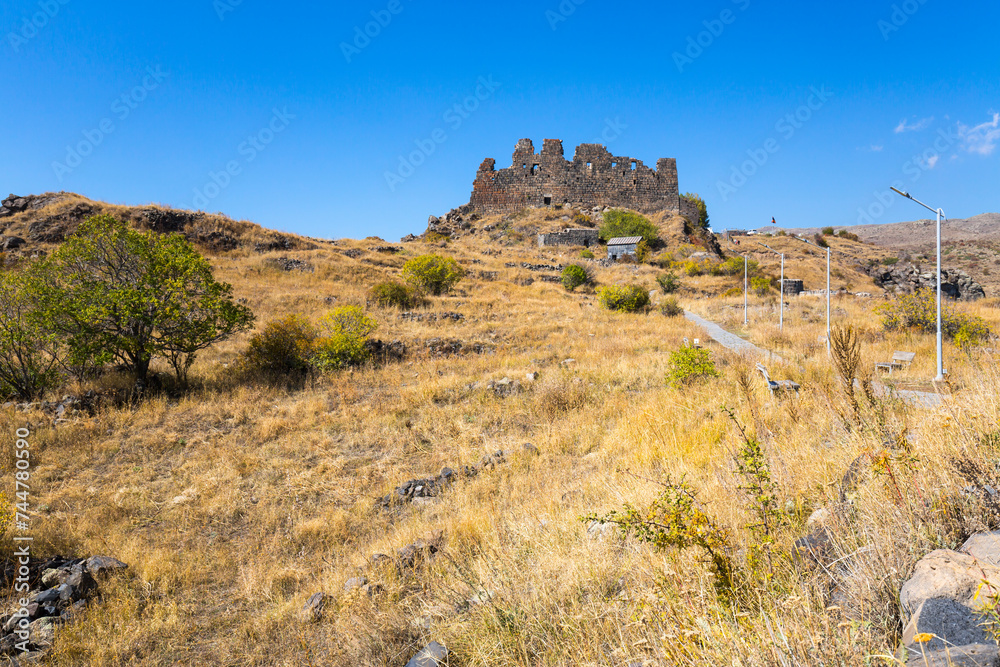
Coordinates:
x,y
594,178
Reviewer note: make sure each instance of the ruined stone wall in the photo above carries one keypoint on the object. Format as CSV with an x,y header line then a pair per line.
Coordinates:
x,y
690,210
584,237
594,177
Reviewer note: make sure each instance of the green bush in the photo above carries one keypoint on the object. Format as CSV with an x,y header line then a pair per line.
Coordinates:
x,y
586,254
623,298
918,311
432,274
668,282
582,220
620,223
820,241
733,266
574,276
690,364
344,338
392,294
702,208
670,307
760,285
116,294
844,234
282,349
828,231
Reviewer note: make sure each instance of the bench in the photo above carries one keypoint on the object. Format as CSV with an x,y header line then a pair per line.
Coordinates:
x,y
899,360
780,385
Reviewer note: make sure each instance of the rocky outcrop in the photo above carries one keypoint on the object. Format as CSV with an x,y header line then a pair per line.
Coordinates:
x,y
907,278
60,589
949,603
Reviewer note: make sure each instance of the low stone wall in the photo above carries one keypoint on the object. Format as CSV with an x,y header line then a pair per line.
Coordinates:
x,y
584,237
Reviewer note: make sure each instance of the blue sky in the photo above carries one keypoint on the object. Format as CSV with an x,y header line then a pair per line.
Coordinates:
x,y
289,115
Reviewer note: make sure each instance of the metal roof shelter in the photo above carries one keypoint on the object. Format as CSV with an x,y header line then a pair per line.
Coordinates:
x,y
623,245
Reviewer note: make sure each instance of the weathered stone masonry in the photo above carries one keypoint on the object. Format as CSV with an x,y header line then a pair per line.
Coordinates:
x,y
584,237
594,177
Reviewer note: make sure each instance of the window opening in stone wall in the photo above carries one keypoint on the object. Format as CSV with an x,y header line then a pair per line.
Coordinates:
x,y
634,165
534,169
590,166
548,200
524,166
614,164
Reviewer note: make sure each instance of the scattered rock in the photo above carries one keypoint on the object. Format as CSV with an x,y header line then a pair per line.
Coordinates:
x,y
531,449
353,253
355,582
984,547
289,264
432,655
387,249
312,611
532,377
505,387
12,242
948,575
948,621
600,531
431,317
975,655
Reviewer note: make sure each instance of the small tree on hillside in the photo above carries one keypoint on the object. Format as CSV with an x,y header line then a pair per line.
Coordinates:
x,y
619,223
702,208
117,294
29,355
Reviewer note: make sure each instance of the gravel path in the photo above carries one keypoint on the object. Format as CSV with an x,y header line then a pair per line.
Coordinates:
x,y
731,341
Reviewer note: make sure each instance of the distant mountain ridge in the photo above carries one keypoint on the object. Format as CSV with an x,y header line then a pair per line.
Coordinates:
x,y
919,234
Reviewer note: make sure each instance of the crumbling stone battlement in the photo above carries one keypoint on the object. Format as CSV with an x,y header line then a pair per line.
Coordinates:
x,y
594,177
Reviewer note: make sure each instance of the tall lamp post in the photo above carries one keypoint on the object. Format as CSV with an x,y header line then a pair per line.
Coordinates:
x,y
781,290
827,287
746,321
940,338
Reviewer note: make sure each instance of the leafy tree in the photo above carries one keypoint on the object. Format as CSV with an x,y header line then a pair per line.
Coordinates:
x,y
116,293
29,355
433,274
621,223
702,208
345,340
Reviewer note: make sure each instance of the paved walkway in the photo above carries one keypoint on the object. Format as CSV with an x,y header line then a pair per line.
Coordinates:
x,y
731,341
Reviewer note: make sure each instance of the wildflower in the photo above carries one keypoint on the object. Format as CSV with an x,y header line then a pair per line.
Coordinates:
x,y
922,637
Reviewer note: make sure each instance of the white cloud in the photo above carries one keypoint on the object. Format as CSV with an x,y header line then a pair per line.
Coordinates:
x,y
932,161
877,149
915,126
982,138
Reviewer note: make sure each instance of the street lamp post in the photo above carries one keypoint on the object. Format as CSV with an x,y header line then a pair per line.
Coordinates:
x,y
746,321
781,290
827,288
940,338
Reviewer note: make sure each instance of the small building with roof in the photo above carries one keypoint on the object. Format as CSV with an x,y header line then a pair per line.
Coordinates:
x,y
623,245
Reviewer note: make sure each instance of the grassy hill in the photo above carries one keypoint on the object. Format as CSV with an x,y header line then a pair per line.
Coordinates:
x,y
236,501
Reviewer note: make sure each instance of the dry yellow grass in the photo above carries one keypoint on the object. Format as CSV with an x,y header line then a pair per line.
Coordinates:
x,y
233,504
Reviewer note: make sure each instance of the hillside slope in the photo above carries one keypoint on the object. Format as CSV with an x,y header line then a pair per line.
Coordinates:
x,y
37,221
439,497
